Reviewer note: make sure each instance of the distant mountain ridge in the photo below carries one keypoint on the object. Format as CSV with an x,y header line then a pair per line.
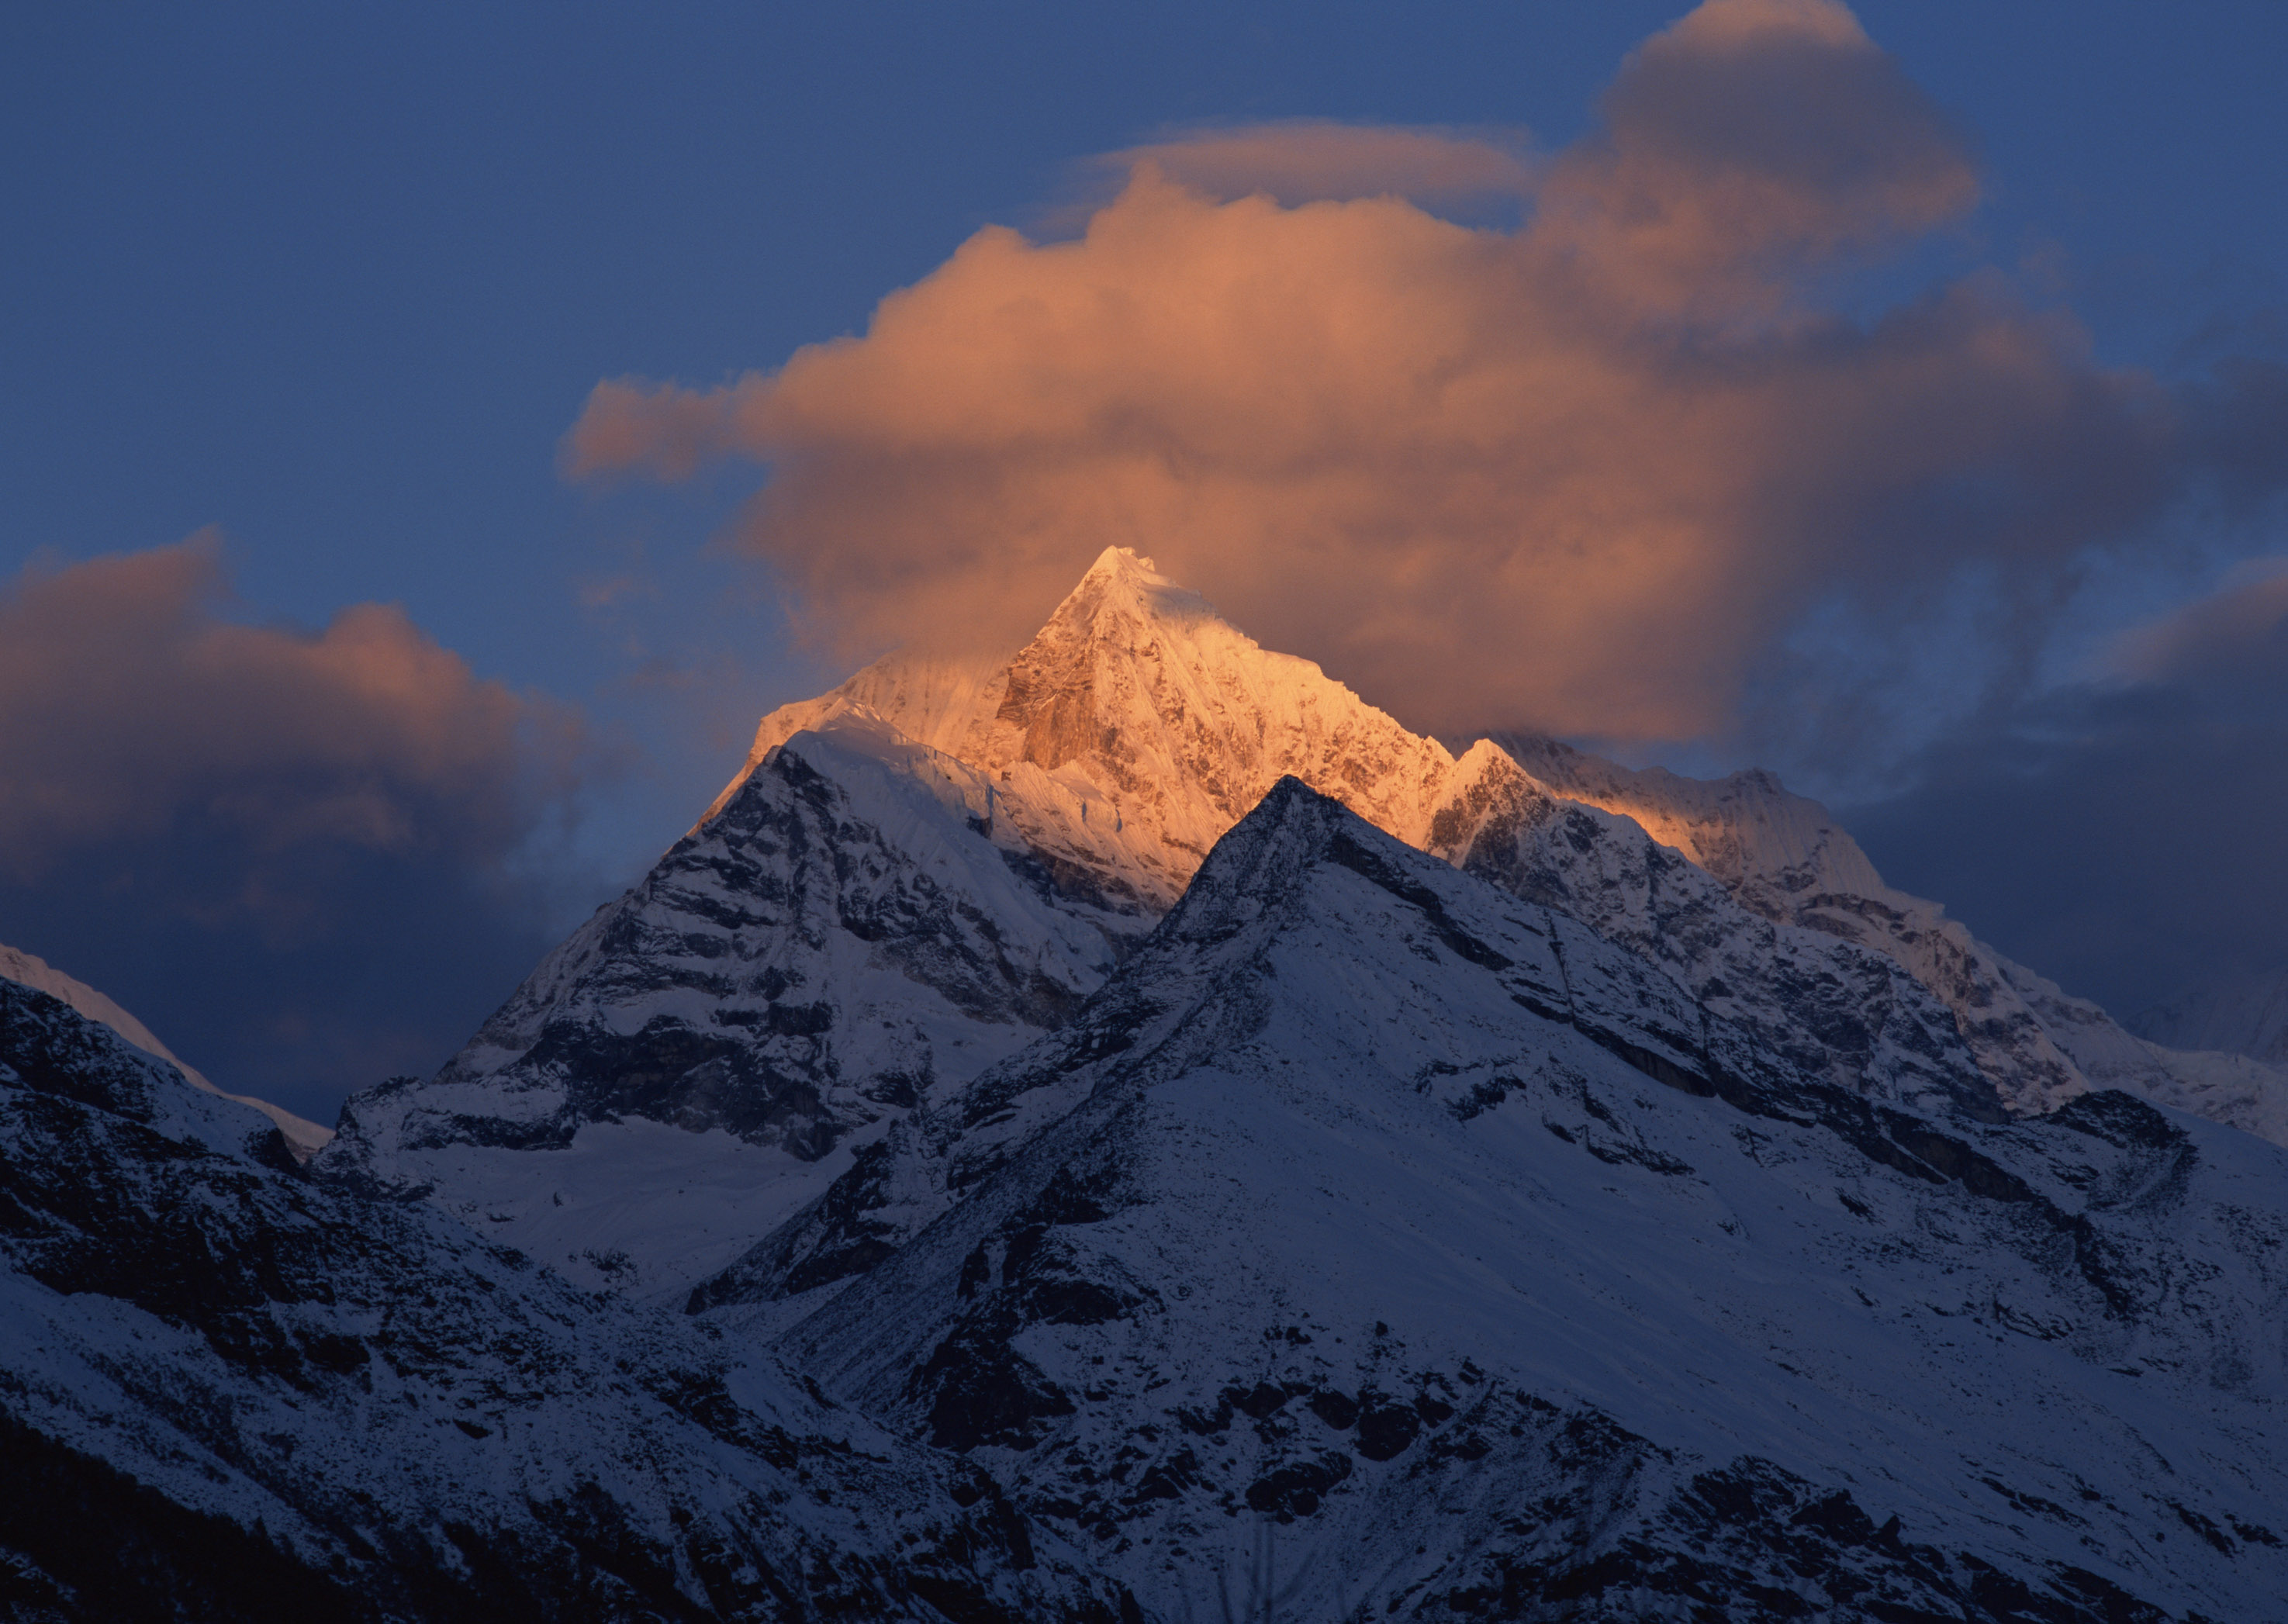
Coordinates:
x,y
2240,1015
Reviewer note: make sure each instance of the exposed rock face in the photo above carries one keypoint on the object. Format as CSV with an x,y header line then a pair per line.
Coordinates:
x,y
226,1392
848,931
1431,1240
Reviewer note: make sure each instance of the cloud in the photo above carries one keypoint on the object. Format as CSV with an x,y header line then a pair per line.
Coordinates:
x,y
127,705
292,853
1585,475
2122,835
1303,160
2232,642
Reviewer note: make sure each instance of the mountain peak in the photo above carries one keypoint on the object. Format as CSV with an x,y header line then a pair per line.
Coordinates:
x,y
1125,582
1133,729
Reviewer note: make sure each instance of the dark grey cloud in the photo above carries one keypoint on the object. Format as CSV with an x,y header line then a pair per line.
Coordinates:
x,y
2122,835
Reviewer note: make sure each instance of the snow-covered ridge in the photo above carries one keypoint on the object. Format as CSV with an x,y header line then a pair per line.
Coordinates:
x,y
1137,725
2240,1015
288,1402
852,930
304,1138
918,873
1785,858
1374,1203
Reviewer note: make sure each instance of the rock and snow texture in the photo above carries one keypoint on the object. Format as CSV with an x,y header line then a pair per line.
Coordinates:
x,y
304,1138
228,1392
1782,857
921,871
1136,727
1383,1241
849,932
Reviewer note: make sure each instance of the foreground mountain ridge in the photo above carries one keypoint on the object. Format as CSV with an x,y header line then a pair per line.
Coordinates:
x,y
231,1393
1429,1232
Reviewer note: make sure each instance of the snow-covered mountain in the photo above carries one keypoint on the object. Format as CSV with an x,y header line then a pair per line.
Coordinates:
x,y
304,1138
853,928
1127,1131
1418,1243
2238,1015
1137,698
226,1392
1782,857
920,872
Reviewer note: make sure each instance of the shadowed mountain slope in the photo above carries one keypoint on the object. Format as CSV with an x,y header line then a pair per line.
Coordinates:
x,y
1368,1202
228,1393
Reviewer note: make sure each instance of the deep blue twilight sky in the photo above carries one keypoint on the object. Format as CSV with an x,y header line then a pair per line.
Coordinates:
x,y
336,681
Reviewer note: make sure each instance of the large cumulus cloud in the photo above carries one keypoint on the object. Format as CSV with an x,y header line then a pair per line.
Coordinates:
x,y
1584,474
290,852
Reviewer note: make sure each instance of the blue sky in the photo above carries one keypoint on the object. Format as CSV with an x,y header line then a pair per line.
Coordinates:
x,y
333,283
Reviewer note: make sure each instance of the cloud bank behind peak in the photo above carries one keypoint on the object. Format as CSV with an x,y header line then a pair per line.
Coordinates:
x,y
1584,474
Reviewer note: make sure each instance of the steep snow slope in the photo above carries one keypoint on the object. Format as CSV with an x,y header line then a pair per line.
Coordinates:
x,y
1782,857
933,703
1375,1218
227,1393
854,927
304,1138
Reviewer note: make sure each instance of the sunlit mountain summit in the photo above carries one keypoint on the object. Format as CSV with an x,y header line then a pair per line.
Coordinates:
x,y
1196,1144
921,871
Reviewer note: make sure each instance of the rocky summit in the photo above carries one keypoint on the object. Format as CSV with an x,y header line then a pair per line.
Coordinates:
x,y
1125,1130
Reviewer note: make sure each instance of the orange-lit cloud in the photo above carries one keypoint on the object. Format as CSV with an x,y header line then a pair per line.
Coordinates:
x,y
128,710
1581,475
